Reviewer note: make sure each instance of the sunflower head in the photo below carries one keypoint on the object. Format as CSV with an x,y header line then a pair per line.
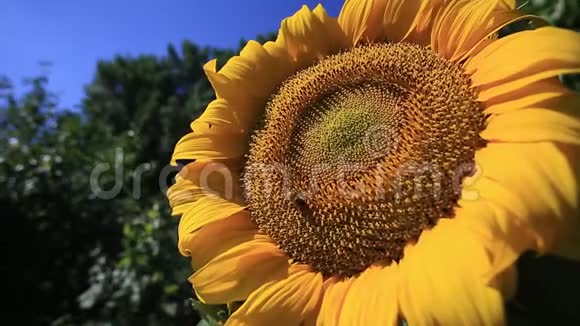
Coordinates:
x,y
399,150
358,154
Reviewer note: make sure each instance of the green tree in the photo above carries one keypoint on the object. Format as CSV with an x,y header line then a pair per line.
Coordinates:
x,y
92,237
45,158
146,104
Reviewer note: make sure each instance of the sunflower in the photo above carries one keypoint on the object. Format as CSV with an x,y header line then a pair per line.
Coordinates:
x,y
390,164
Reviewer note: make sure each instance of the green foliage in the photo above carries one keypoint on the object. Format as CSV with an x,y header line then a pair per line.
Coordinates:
x,y
44,164
101,247
147,103
561,13
85,191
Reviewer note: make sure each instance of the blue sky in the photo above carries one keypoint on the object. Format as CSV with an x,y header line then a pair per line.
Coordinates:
x,y
73,35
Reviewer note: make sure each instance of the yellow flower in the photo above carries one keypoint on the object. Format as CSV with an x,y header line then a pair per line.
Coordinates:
x,y
389,164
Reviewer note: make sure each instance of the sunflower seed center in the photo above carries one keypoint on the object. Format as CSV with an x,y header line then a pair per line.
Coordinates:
x,y
360,153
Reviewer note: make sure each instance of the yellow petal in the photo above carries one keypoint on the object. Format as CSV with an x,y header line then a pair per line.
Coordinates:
x,y
246,81
534,181
458,21
542,53
239,72
504,235
379,20
498,20
202,178
398,18
333,301
422,26
205,210
542,94
509,4
462,25
277,50
220,83
235,115
442,280
355,19
309,36
216,117
202,146
180,195
240,68
534,224
386,20
491,91
336,37
372,298
290,301
532,125
235,274
217,237
259,73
